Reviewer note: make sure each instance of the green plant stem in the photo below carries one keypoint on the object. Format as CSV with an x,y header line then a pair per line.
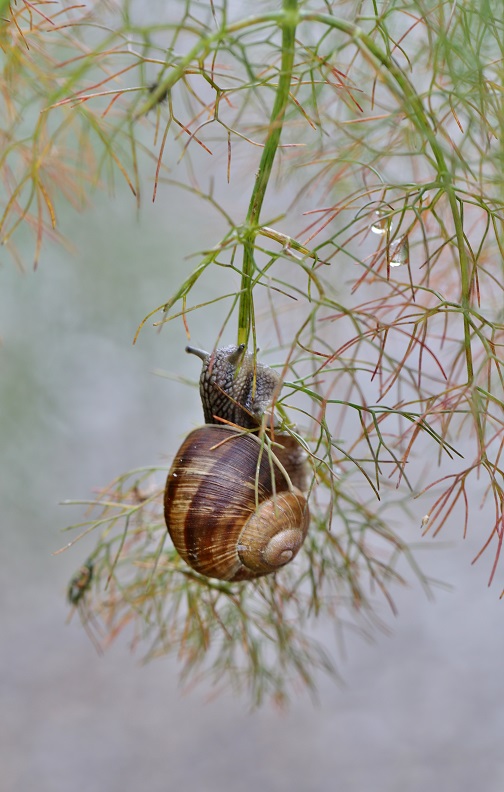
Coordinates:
x,y
4,8
246,306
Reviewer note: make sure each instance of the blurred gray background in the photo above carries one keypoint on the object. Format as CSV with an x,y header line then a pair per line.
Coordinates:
x,y
420,708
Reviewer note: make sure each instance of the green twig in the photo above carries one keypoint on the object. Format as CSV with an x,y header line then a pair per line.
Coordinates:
x,y
246,306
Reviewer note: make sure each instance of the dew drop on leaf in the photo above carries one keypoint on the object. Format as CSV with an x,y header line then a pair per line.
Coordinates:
x,y
383,222
398,253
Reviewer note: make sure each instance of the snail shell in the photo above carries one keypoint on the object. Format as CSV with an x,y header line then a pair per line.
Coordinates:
x,y
230,509
233,502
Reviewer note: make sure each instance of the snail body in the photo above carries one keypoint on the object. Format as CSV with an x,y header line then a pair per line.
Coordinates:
x,y
233,387
234,503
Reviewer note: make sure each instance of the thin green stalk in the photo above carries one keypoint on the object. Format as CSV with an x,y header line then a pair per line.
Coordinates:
x,y
246,306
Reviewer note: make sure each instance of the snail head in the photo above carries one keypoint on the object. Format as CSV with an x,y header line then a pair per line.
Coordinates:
x,y
234,386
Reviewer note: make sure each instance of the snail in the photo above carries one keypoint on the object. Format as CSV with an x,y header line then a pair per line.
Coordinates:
x,y
77,590
80,583
234,503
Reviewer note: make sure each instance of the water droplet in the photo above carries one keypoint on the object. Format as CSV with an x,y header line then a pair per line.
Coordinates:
x,y
399,253
383,223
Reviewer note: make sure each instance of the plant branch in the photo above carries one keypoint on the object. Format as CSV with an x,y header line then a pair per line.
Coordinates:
x,y
401,87
246,309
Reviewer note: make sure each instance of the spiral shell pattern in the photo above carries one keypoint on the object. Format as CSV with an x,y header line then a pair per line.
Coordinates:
x,y
230,510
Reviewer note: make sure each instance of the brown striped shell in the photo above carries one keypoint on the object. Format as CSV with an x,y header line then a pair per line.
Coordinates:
x,y
231,510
